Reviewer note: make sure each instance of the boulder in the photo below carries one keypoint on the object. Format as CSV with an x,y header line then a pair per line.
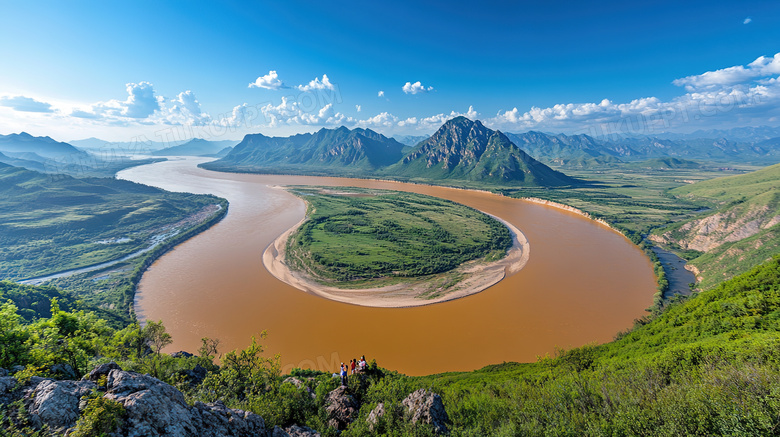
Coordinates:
x,y
182,354
154,408
341,407
375,414
101,370
63,371
294,431
56,403
427,407
196,375
3,372
7,387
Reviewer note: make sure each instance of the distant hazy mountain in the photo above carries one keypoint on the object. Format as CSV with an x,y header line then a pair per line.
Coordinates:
x,y
134,146
551,147
224,152
467,150
410,140
325,151
741,134
43,146
195,147
19,162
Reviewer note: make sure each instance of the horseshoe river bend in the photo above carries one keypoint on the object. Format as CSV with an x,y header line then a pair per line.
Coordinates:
x,y
583,283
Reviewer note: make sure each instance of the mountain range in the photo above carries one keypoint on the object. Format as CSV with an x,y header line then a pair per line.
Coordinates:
x,y
461,150
198,147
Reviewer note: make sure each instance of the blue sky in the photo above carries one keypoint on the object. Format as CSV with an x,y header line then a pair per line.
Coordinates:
x,y
73,70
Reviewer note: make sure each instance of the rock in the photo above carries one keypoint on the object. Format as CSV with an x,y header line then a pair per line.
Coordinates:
x,y
7,386
155,408
341,408
301,385
426,407
3,372
182,354
196,375
56,403
375,414
63,371
15,369
301,431
101,370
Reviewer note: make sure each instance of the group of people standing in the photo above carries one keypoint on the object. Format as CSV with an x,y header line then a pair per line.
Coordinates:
x,y
355,366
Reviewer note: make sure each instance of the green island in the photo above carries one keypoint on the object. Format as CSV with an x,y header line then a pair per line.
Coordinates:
x,y
361,238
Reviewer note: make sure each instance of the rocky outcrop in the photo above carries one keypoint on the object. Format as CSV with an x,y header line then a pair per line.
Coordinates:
x,y
420,406
341,407
294,431
56,403
427,407
152,407
733,224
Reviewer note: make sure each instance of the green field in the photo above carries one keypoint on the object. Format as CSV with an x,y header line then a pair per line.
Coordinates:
x,y
54,223
354,235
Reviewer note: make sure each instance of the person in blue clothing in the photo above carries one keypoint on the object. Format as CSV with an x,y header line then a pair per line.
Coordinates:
x,y
343,374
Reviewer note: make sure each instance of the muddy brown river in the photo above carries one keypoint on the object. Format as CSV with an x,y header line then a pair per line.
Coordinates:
x,y
583,283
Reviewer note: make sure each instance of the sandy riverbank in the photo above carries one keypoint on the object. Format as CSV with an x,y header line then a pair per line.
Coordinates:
x,y
477,276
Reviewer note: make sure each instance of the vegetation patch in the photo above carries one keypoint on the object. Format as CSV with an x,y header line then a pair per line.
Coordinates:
x,y
356,236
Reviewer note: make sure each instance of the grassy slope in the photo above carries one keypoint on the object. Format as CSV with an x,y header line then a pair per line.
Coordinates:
x,y
744,198
50,224
708,366
390,234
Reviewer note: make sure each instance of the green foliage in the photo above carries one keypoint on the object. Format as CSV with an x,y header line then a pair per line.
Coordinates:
x,y
358,235
101,417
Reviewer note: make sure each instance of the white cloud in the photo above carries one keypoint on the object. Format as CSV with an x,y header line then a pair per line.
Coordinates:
x,y
25,104
761,67
390,122
380,93
358,108
748,20
415,88
184,109
270,81
318,84
141,102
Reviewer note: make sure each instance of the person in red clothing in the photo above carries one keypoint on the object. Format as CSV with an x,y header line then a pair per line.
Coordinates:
x,y
352,365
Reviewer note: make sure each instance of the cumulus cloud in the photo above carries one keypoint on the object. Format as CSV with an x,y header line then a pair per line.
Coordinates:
x,y
141,102
318,84
747,20
25,104
761,67
270,81
380,93
144,106
358,108
415,88
388,121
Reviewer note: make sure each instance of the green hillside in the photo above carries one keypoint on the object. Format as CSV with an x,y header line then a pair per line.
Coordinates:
x,y
706,366
740,229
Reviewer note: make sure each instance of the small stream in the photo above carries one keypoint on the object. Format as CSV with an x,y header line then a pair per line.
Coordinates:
x,y
678,276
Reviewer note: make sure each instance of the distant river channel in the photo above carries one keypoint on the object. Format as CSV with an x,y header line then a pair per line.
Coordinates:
x,y
582,284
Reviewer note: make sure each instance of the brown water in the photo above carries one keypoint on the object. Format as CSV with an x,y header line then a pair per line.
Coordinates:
x,y
582,284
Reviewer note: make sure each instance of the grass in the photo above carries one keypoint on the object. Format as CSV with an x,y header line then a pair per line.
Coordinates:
x,y
355,236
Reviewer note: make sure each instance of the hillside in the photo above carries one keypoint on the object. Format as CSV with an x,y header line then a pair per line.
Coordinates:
x,y
467,150
327,151
739,230
706,366
52,224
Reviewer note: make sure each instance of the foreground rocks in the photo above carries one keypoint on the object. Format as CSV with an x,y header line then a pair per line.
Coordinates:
x,y
421,406
152,407
341,407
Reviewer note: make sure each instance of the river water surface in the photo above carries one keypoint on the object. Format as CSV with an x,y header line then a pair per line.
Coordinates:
x,y
583,283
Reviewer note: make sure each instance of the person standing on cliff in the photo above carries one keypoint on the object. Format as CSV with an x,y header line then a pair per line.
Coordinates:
x,y
352,365
343,374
